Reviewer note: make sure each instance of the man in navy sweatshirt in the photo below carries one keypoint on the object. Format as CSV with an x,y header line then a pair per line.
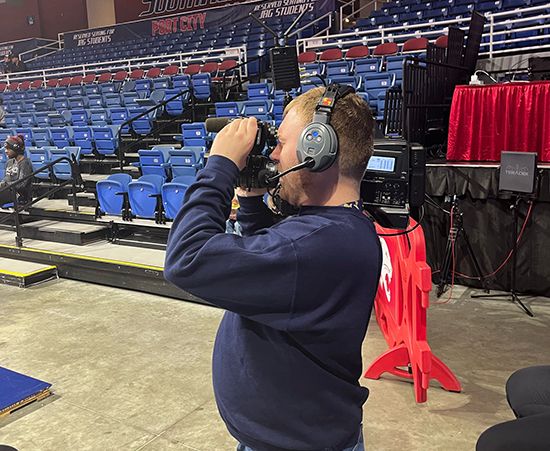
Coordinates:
x,y
298,293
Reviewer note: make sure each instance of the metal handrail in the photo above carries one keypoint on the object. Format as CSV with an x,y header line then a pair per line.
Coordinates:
x,y
354,12
76,179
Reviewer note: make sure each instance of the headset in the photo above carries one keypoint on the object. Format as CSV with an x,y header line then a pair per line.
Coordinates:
x,y
318,142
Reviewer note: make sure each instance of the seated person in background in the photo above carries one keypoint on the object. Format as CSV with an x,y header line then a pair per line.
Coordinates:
x,y
8,65
17,167
18,65
528,394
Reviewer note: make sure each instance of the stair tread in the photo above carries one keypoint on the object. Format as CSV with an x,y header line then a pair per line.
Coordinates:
x,y
58,226
20,267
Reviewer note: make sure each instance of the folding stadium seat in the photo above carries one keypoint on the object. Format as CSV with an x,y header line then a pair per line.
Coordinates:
x,y
484,7
13,86
78,102
119,78
90,78
176,106
81,117
461,10
146,84
27,119
192,69
367,65
186,161
111,100
278,108
228,109
95,101
19,95
415,45
42,119
154,161
136,74
3,87
27,133
76,90
112,194
61,136
34,94
100,116
260,108
5,133
442,41
338,68
62,91
374,84
42,137
387,48
260,90
144,124
24,86
181,81
129,99
119,115
194,134
62,170
83,138
145,196
39,158
61,103
16,106
226,69
351,80
106,139
173,194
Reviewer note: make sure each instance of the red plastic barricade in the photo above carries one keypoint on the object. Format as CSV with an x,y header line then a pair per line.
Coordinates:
x,y
401,303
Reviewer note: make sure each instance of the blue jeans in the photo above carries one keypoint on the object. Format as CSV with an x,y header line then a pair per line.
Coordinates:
x,y
359,446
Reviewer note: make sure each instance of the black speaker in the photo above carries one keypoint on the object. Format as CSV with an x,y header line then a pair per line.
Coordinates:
x,y
518,172
284,66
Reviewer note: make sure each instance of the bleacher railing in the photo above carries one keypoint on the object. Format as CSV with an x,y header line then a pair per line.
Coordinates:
x,y
489,46
180,59
75,181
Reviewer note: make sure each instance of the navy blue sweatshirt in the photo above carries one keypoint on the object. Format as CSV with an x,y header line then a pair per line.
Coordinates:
x,y
299,294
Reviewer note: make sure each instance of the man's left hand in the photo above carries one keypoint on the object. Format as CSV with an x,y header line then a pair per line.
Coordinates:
x,y
235,140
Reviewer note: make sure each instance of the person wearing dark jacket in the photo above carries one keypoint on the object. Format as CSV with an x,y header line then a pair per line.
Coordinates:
x,y
17,167
298,293
18,65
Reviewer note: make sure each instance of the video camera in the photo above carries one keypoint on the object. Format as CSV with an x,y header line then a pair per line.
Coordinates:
x,y
259,167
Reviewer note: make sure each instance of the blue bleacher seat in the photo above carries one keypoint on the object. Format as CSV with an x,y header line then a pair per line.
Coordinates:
x,y
144,124
259,108
27,119
81,117
173,194
62,136
5,133
374,84
106,139
76,90
61,103
228,109
177,106
186,161
100,116
42,119
27,133
78,102
42,137
154,161
194,134
62,170
110,201
40,157
111,99
141,194
119,115
95,100
84,138
201,86
351,80
338,68
260,91
181,81
92,89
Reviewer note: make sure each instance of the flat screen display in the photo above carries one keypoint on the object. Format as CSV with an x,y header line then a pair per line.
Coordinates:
x,y
384,164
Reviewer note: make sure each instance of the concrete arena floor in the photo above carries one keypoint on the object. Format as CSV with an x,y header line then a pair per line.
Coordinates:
x,y
131,371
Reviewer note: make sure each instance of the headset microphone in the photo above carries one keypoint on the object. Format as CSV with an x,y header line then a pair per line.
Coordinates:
x,y
306,164
318,140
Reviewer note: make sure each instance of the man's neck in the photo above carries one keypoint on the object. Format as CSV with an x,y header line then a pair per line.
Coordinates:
x,y
347,191
19,157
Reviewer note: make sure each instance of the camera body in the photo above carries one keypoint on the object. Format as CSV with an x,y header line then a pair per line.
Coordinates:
x,y
259,167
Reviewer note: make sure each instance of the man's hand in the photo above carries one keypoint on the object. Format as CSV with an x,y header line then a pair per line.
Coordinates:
x,y
235,141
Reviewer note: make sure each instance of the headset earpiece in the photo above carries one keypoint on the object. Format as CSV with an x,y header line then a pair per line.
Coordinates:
x,y
318,140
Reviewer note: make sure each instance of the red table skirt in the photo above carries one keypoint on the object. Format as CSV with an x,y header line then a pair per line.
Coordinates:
x,y
486,120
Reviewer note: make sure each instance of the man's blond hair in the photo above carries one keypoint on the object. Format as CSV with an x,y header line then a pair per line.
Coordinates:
x,y
353,123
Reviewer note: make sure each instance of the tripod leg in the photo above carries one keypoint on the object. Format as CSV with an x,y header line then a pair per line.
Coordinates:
x,y
474,260
515,298
446,265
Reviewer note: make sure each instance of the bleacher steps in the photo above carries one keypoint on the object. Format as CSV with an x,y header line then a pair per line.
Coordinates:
x,y
24,274
84,200
64,232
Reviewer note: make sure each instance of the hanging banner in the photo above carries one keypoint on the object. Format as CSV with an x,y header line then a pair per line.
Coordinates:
x,y
210,19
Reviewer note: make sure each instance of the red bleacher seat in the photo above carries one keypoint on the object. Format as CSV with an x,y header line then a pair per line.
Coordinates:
x,y
209,68
76,80
65,81
192,69
13,86
105,78
90,78
2,87
307,57
224,67
24,85
52,83
154,72
442,41
170,71
136,74
415,44
359,51
120,75
37,84
331,55
387,48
